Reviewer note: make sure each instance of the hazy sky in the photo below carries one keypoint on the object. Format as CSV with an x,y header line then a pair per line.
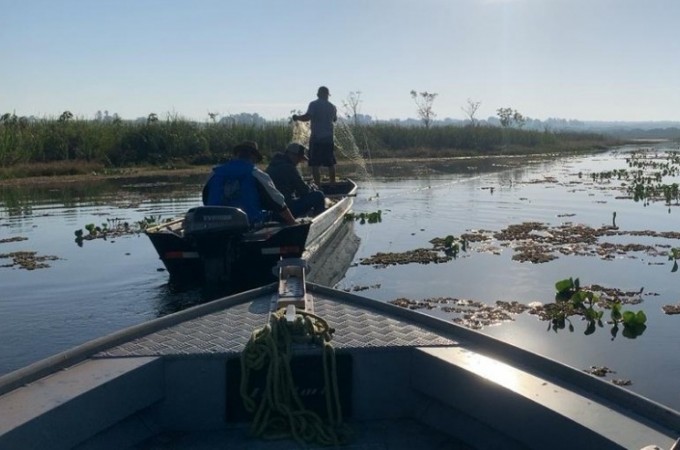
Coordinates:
x,y
573,59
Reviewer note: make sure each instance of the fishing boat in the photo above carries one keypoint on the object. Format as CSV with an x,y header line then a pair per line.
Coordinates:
x,y
218,245
294,364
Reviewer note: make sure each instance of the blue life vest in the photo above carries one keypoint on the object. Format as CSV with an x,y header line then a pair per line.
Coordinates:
x,y
233,184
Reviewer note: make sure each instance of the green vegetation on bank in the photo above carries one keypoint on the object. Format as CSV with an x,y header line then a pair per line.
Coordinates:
x,y
387,140
69,146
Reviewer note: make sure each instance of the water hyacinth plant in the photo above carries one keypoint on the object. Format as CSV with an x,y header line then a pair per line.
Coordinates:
x,y
674,255
114,228
571,299
362,217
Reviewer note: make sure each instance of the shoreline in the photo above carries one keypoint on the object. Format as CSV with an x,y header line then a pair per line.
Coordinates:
x,y
155,172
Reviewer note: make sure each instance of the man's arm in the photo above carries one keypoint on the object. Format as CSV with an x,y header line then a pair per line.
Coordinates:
x,y
306,117
287,217
272,198
300,187
303,118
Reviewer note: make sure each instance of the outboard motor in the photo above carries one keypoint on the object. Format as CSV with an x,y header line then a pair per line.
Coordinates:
x,y
216,231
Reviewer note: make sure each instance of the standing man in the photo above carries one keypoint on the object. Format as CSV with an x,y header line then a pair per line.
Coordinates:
x,y
322,114
300,197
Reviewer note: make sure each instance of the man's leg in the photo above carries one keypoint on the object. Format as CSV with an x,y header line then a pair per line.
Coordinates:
x,y
297,207
317,201
316,175
331,173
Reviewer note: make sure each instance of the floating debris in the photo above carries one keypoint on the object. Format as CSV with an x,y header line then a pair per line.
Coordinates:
x,y
538,243
671,309
27,260
470,313
477,315
419,255
362,288
601,371
13,239
533,253
443,250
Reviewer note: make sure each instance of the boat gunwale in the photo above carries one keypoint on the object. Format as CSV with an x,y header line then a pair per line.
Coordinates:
x,y
82,352
343,205
556,372
268,229
165,227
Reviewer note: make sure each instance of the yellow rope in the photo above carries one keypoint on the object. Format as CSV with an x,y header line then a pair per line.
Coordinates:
x,y
281,412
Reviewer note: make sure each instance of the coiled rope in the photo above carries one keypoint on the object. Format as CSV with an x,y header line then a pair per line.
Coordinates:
x,y
280,412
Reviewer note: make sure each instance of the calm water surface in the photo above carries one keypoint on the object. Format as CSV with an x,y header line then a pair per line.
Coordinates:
x,y
104,286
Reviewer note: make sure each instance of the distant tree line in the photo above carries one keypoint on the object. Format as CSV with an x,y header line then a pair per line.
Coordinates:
x,y
117,143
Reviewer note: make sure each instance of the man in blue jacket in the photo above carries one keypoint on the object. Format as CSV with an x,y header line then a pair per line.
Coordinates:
x,y
300,197
239,183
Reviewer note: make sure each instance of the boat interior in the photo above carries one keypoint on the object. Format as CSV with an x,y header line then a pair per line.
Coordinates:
x,y
404,380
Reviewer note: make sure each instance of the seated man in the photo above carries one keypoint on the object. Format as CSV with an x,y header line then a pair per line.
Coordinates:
x,y
239,183
300,197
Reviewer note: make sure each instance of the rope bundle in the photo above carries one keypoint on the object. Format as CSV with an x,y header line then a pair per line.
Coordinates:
x,y
280,412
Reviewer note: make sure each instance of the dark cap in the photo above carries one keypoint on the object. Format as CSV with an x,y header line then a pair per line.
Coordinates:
x,y
247,148
298,150
323,90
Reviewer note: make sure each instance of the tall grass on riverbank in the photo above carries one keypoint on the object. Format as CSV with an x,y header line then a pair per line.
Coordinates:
x,y
387,140
71,145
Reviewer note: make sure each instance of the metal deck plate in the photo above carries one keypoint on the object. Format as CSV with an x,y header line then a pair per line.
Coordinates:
x,y
227,331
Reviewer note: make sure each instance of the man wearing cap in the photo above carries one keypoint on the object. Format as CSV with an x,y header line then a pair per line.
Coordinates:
x,y
300,197
239,183
322,114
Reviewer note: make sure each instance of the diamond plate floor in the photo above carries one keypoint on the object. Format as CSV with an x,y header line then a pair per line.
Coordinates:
x,y
227,331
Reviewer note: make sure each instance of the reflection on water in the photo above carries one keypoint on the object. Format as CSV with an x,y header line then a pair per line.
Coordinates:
x,y
104,286
170,300
23,200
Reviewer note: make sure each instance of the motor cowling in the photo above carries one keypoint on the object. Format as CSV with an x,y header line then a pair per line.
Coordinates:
x,y
216,232
215,220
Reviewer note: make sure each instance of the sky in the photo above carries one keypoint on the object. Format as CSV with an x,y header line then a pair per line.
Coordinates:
x,y
609,60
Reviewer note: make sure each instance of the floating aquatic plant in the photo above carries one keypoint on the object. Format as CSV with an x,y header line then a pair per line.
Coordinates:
x,y
363,217
674,255
114,228
450,244
571,299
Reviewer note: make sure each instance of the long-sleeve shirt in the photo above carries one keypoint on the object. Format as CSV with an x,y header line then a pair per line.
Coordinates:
x,y
241,184
287,178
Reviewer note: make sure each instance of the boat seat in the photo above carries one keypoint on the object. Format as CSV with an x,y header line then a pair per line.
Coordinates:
x,y
528,408
51,413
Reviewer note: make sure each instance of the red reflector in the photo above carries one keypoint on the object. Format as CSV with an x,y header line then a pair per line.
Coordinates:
x,y
280,250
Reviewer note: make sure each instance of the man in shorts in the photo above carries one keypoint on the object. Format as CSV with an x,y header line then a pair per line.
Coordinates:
x,y
322,114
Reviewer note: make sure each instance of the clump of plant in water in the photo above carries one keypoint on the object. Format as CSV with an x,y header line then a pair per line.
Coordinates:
x,y
571,300
450,245
647,174
114,228
363,217
674,255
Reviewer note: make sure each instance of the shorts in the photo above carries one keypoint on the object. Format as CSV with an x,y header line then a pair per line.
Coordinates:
x,y
322,153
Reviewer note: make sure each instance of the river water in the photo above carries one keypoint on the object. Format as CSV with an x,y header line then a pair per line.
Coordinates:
x,y
102,286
